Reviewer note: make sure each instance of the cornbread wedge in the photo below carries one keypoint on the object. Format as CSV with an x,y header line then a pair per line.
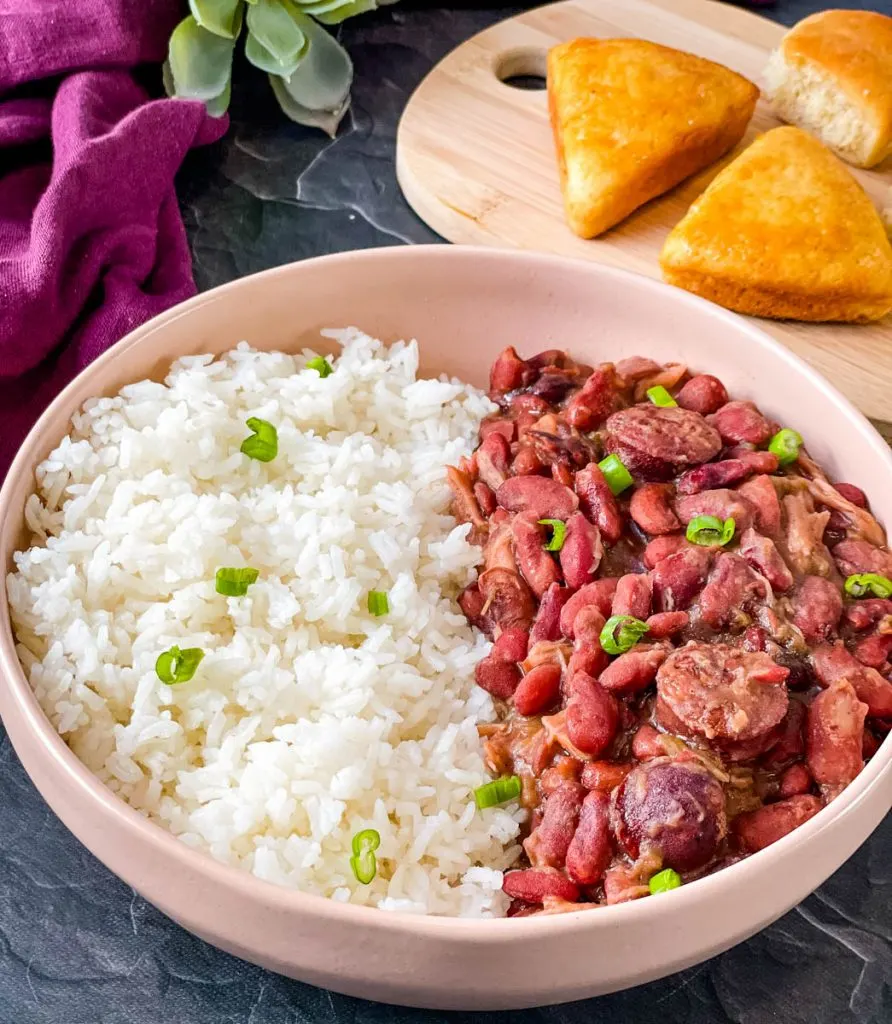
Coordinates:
x,y
832,75
632,118
784,231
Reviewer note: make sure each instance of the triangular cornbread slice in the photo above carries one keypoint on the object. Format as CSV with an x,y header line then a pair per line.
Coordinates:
x,y
784,231
632,118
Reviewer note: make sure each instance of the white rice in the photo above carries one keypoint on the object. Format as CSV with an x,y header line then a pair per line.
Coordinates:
x,y
309,718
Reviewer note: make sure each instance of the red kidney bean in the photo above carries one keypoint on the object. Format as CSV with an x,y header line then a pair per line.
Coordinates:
x,y
853,494
547,844
592,716
791,743
732,587
564,769
721,503
548,619
526,462
512,645
538,690
703,393
498,425
665,624
499,678
493,460
598,594
713,475
835,736
647,744
545,498
603,775
674,808
536,565
588,655
870,745
633,596
533,885
598,503
553,385
863,614
763,556
656,438
795,781
590,849
854,556
759,462
508,372
741,421
757,829
651,510
595,401
582,551
527,410
663,547
817,608
562,474
485,498
472,602
874,650
833,662
719,691
633,671
761,497
510,602
678,579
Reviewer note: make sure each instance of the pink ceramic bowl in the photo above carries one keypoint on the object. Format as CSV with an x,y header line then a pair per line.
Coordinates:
x,y
463,305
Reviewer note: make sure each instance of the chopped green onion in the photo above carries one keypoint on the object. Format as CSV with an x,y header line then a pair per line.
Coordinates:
x,y
785,445
363,862
322,366
235,582
621,633
500,791
616,474
710,531
864,583
263,444
176,666
378,603
558,533
664,880
660,396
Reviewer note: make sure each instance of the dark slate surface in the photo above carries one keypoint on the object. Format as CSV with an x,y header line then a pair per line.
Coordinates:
x,y
80,947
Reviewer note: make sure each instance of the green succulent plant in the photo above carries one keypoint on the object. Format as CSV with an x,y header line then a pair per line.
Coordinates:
x,y
309,71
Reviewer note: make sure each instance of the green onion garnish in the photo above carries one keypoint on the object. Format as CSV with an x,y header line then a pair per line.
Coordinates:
x,y
621,633
616,474
558,533
785,445
263,444
322,366
176,666
378,603
500,791
363,862
664,880
710,531
235,582
661,397
864,583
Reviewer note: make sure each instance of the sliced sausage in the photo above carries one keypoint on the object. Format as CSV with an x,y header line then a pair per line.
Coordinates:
x,y
835,737
704,394
582,551
673,808
757,829
545,498
719,691
651,509
817,608
731,590
761,553
655,441
741,421
598,503
590,849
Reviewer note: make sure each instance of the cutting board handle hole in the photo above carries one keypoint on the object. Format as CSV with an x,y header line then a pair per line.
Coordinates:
x,y
522,67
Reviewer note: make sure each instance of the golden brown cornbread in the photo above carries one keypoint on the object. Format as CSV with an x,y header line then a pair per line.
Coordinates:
x,y
632,118
784,231
833,76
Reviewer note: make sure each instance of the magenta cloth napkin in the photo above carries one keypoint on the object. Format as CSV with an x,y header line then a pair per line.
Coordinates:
x,y
91,243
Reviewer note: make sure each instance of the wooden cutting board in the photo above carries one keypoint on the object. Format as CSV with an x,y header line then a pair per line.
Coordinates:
x,y
475,158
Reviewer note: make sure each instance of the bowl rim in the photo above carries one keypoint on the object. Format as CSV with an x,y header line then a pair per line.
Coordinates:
x,y
115,812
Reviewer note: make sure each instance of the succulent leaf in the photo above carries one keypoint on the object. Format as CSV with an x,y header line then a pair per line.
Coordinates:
x,y
200,62
333,12
222,17
275,25
261,58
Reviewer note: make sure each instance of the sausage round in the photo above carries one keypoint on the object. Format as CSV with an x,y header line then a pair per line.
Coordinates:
x,y
657,440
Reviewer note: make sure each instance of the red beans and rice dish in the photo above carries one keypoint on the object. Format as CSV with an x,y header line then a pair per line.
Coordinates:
x,y
692,626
